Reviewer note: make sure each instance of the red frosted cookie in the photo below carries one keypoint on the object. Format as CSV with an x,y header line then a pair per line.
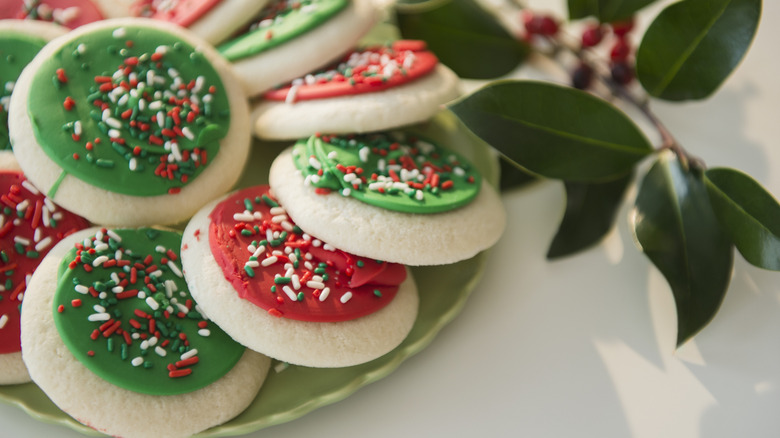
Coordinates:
x,y
30,225
371,89
287,294
68,13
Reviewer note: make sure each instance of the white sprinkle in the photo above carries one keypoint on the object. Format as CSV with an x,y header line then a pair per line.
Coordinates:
x,y
156,104
182,308
175,269
132,164
363,153
269,261
160,351
252,264
101,246
31,188
117,289
332,155
113,133
287,226
315,284
290,293
296,282
81,48
3,321
324,294
279,218
99,317
137,361
419,195
98,308
23,205
21,240
346,297
152,303
204,332
99,261
119,32
313,162
188,354
328,247
188,133
144,345
243,217
346,192
37,234
80,288
113,122
153,341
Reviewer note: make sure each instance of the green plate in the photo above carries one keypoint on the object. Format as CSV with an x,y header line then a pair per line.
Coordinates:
x,y
294,391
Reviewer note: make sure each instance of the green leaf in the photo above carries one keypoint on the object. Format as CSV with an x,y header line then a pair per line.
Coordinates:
x,y
590,214
693,46
554,131
465,37
749,215
210,134
513,177
676,228
606,11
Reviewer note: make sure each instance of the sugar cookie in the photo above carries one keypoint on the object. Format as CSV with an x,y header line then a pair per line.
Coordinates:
x,y
289,295
147,142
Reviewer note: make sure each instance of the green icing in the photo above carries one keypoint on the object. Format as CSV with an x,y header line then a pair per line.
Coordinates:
x,y
16,51
396,171
110,357
279,22
147,111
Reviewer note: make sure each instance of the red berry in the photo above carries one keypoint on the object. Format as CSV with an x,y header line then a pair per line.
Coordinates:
x,y
539,24
620,50
582,76
548,26
622,73
621,28
592,35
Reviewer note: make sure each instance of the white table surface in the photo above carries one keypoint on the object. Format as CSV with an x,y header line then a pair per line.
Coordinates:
x,y
585,346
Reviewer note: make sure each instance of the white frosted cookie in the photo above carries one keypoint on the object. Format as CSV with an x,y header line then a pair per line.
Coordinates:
x,y
290,38
144,143
112,387
292,297
212,20
372,89
378,195
24,241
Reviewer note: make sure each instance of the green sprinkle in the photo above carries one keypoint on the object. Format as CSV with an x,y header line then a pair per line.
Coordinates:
x,y
269,202
123,351
148,364
19,248
359,263
300,296
273,289
249,271
282,280
110,344
152,233
378,292
32,254
4,256
248,204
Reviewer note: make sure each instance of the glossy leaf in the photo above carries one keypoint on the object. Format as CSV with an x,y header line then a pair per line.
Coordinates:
x,y
676,228
554,131
606,11
590,213
465,37
749,215
513,177
692,46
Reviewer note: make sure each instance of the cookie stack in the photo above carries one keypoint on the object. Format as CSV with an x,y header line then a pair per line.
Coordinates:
x,y
130,125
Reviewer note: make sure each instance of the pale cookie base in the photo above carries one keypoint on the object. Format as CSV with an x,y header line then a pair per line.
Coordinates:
x,y
126,210
225,18
13,369
109,408
8,161
114,8
313,344
369,231
308,52
40,29
404,105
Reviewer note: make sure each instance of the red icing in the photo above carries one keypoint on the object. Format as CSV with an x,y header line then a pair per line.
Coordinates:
x,y
182,12
409,59
230,249
85,11
13,193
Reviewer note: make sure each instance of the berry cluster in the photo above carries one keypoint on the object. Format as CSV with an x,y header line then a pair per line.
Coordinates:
x,y
621,68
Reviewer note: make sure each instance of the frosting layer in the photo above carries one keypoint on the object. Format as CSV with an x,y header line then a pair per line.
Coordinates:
x,y
16,51
365,71
30,225
133,110
181,12
392,170
123,309
275,265
279,22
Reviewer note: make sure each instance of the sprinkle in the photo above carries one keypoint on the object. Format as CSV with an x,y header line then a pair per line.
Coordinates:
x,y
137,361
324,294
346,297
189,354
